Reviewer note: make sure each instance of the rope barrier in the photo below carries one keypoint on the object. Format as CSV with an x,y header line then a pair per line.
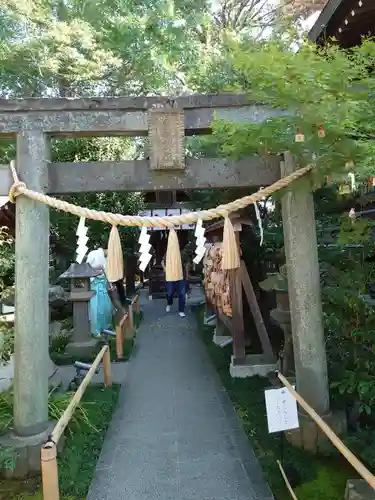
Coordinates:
x,y
19,188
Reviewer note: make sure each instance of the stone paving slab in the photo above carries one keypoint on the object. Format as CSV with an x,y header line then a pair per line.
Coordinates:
x,y
175,434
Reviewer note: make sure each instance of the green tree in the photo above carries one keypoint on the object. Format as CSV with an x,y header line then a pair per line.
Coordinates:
x,y
312,92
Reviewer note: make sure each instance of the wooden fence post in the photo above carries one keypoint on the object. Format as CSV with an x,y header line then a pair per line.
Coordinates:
x,y
129,325
50,474
137,305
131,319
120,334
107,368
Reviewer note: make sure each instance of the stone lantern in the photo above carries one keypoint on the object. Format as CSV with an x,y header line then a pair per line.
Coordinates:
x,y
277,282
82,343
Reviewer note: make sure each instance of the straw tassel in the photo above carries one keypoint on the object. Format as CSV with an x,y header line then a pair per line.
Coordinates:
x,y
173,265
115,258
231,259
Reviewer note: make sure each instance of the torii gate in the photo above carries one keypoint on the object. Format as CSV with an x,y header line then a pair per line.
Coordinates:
x,y
34,121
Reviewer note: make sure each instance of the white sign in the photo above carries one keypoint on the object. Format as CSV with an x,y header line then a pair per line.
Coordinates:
x,y
163,212
282,414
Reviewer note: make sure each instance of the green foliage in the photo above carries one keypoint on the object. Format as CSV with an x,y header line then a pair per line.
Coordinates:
x,y
6,279
6,260
59,343
304,90
349,320
6,342
85,437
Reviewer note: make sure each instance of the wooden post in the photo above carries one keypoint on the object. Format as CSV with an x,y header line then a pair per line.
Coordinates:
x,y
107,368
50,473
119,343
120,322
302,264
129,325
131,318
238,331
254,307
137,306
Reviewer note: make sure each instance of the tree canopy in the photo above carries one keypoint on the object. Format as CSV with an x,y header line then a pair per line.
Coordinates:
x,y
323,98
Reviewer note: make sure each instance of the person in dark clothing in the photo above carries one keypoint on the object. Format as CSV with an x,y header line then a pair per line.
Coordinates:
x,y
179,287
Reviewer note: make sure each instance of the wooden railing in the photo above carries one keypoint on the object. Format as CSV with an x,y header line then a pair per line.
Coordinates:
x,y
336,441
50,476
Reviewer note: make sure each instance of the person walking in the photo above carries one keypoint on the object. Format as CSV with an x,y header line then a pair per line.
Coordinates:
x,y
179,287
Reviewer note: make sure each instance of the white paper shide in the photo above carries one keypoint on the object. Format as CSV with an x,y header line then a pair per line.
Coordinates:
x,y
145,249
82,247
200,249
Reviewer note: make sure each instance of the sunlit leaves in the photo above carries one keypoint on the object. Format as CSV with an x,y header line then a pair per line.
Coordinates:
x,y
316,89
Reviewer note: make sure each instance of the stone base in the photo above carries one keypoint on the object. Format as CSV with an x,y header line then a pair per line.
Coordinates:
x,y
252,366
221,339
309,436
82,349
358,489
24,453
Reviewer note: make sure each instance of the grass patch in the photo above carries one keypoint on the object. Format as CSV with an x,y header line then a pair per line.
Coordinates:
x,y
321,477
84,441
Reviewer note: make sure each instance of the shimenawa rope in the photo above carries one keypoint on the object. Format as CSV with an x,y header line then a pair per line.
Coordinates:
x,y
231,258
20,188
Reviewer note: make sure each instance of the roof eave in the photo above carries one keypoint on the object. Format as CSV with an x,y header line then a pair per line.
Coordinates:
x,y
323,19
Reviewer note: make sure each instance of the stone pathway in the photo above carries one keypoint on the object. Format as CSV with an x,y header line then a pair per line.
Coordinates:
x,y
175,435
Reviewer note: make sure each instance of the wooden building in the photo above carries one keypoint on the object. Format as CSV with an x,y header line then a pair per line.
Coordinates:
x,y
348,21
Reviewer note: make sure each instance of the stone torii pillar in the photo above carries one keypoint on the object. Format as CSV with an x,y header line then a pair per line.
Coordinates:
x,y
301,251
31,301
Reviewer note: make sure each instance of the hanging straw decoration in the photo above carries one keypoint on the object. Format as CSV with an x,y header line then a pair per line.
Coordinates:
x,y
231,259
299,136
115,258
173,265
